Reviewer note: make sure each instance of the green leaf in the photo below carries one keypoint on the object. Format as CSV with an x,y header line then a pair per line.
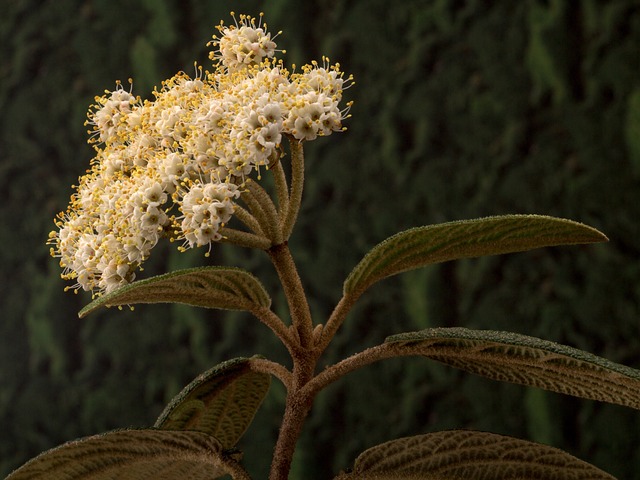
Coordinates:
x,y
130,455
423,246
220,402
458,454
209,287
515,358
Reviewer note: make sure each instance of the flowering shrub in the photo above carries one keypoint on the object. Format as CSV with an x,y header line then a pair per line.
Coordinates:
x,y
184,167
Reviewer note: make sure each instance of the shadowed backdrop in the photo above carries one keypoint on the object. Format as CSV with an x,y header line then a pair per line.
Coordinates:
x,y
462,109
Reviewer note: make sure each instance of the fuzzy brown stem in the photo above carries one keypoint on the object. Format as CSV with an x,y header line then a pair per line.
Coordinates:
x,y
295,413
297,184
304,356
354,362
263,365
244,239
235,469
249,220
282,190
296,298
277,326
263,210
335,320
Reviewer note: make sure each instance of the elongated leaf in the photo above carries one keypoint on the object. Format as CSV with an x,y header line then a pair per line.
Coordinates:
x,y
210,287
423,246
458,454
515,358
130,455
221,402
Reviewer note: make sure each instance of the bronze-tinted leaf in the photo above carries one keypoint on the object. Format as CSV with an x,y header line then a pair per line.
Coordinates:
x,y
130,455
469,455
220,402
525,360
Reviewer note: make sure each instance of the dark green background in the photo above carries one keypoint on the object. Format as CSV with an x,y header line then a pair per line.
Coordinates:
x,y
462,109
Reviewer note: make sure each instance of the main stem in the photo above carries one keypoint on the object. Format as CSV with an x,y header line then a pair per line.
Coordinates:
x,y
296,410
304,351
299,402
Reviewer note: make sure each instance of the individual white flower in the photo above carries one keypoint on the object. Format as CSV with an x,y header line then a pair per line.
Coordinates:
x,y
173,169
330,122
268,137
153,219
155,195
271,114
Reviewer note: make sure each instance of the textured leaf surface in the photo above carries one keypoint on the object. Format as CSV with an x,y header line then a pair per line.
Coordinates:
x,y
461,454
221,402
210,287
525,360
423,246
129,455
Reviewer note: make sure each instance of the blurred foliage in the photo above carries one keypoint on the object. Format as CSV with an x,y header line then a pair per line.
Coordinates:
x,y
462,109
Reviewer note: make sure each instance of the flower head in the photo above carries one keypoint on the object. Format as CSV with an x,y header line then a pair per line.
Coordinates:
x,y
174,166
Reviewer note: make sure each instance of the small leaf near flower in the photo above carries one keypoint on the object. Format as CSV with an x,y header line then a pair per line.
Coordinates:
x,y
209,287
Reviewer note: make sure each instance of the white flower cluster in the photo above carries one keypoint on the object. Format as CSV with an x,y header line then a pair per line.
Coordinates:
x,y
173,167
244,44
205,207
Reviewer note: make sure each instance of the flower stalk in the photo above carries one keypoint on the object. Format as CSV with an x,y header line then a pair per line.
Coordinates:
x,y
294,292
297,187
